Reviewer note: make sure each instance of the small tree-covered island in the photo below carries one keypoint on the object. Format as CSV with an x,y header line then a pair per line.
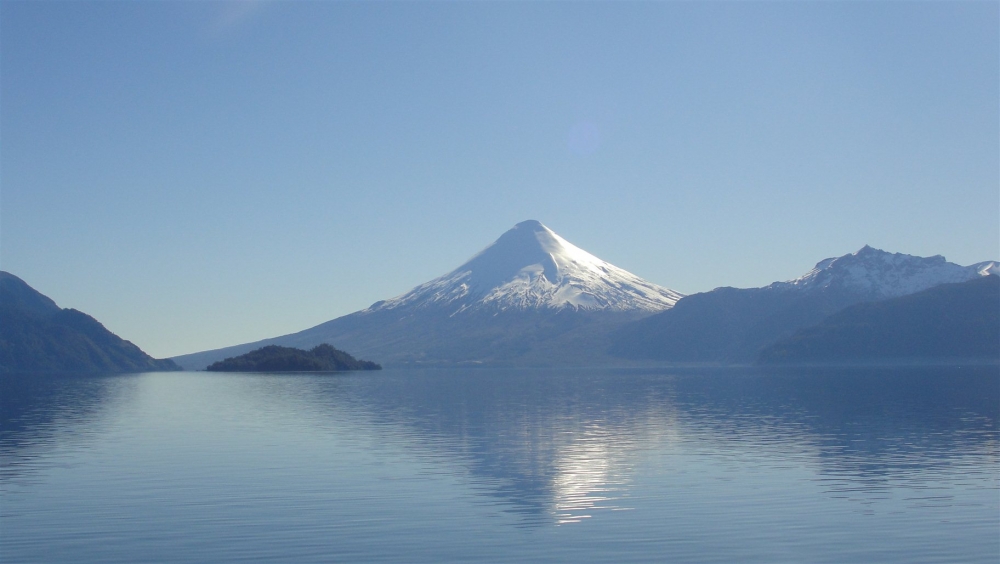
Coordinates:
x,y
272,358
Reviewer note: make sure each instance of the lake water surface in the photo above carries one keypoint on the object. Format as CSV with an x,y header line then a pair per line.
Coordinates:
x,y
838,465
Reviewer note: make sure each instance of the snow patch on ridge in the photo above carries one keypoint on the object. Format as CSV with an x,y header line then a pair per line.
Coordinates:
x,y
886,275
987,268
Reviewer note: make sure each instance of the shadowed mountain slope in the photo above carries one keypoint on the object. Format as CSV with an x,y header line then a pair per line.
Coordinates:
x,y
37,336
731,325
958,321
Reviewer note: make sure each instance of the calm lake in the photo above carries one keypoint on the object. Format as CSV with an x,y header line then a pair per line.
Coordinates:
x,y
838,465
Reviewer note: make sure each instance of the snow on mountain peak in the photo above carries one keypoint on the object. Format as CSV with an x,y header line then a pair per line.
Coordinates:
x,y
886,275
531,267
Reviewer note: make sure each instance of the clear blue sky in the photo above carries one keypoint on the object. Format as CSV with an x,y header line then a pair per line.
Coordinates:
x,y
202,174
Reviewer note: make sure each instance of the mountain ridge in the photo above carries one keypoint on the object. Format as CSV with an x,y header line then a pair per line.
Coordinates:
x,y
732,325
959,320
880,274
530,296
36,335
518,302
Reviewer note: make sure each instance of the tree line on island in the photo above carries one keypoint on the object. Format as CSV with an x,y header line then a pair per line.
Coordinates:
x,y
272,358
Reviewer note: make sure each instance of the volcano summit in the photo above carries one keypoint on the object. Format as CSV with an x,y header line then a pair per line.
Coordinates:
x,y
530,297
530,267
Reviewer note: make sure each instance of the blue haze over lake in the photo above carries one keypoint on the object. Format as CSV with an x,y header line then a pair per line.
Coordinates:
x,y
837,465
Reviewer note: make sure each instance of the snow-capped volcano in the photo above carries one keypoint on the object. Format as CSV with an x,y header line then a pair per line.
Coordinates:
x,y
531,267
531,298
879,274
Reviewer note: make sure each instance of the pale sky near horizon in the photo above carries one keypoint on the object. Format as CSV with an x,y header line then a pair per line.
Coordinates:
x,y
203,174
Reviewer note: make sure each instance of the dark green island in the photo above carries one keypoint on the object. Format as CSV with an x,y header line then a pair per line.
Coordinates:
x,y
272,358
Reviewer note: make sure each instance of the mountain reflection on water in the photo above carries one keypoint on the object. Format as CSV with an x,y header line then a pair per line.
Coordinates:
x,y
37,412
888,464
561,446
555,445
